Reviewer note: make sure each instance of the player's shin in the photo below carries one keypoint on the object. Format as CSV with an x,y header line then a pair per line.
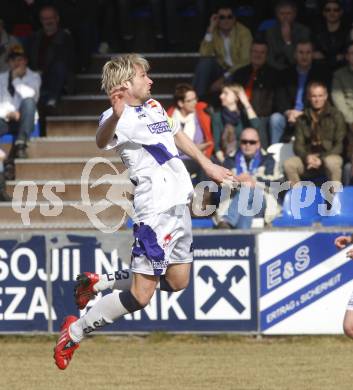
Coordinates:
x,y
119,280
105,311
122,279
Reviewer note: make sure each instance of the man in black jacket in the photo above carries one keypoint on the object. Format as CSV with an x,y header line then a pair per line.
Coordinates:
x,y
291,91
259,81
51,51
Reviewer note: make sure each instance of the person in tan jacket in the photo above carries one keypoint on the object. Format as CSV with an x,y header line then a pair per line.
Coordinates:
x,y
319,135
224,49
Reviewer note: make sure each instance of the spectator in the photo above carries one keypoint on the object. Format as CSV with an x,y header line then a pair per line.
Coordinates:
x,y
6,41
105,22
4,197
283,37
195,122
51,51
224,49
79,18
308,10
290,94
228,123
319,135
126,23
173,22
254,169
259,81
331,36
342,96
19,93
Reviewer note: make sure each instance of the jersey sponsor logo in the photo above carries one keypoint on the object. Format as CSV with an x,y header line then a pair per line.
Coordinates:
x,y
159,264
159,127
139,111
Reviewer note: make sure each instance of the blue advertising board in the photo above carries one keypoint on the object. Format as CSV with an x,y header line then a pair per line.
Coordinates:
x,y
23,294
37,277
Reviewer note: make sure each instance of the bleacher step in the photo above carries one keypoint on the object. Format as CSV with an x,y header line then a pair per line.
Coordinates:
x,y
160,62
62,168
59,213
66,147
164,83
72,125
72,190
96,104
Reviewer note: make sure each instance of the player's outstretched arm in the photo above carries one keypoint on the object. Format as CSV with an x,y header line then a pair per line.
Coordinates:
x,y
107,128
342,241
213,171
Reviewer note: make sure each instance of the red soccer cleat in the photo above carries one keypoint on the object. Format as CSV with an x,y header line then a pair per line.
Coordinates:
x,y
84,290
65,347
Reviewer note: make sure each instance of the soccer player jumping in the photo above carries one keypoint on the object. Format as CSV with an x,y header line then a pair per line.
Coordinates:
x,y
341,242
147,141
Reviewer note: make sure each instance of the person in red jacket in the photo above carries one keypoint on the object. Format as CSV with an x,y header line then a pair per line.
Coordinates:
x,y
195,122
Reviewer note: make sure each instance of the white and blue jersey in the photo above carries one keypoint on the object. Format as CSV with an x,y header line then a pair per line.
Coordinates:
x,y
144,138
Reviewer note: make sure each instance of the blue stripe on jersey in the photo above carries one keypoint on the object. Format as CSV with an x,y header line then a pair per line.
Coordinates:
x,y
146,244
159,152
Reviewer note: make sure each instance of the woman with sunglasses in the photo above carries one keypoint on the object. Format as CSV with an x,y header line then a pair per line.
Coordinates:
x,y
235,114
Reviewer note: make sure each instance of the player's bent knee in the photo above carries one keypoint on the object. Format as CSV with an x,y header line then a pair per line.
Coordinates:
x,y
178,285
144,296
133,302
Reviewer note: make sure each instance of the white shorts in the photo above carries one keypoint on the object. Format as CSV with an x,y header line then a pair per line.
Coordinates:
x,y
350,303
161,240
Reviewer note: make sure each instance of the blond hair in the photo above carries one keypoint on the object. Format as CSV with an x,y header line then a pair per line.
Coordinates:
x,y
235,88
121,69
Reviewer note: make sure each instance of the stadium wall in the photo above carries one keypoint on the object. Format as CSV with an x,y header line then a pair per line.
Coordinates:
x,y
267,282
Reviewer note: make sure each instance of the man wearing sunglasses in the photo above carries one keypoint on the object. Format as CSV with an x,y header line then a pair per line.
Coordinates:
x,y
224,49
255,170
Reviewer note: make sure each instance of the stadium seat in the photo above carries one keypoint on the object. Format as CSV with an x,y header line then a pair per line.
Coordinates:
x,y
202,223
266,24
295,216
342,209
281,152
8,138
